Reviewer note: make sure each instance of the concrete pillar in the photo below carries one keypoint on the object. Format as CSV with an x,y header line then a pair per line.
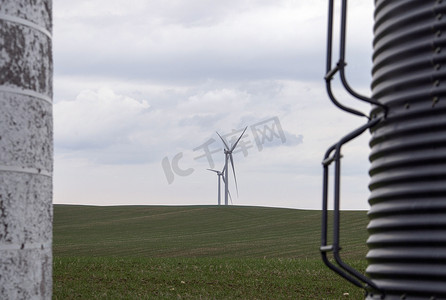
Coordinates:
x,y
26,149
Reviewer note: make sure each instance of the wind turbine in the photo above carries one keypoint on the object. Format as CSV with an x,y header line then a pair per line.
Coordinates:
x,y
228,156
220,175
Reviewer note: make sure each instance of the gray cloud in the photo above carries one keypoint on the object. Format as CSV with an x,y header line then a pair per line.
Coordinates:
x,y
268,40
137,81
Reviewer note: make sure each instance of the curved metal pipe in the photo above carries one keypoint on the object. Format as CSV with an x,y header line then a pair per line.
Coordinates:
x,y
342,63
342,269
340,66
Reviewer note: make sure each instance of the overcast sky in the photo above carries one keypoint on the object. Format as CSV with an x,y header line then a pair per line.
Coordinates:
x,y
142,86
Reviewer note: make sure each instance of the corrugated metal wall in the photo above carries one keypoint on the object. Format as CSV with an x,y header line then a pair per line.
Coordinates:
x,y
407,242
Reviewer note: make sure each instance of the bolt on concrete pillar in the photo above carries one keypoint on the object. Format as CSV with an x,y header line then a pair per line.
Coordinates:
x,y
26,149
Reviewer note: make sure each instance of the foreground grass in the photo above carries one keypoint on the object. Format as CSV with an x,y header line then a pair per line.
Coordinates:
x,y
199,252
199,231
197,278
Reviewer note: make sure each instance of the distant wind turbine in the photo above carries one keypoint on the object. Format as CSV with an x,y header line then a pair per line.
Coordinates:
x,y
220,175
228,156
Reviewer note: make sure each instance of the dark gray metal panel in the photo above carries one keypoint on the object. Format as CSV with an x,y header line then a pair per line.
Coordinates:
x,y
407,241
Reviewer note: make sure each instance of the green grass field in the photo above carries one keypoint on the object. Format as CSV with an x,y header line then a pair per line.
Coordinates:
x,y
198,252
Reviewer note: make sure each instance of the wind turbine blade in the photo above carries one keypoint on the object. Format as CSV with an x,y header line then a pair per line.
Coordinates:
x,y
233,171
224,181
235,144
229,193
226,145
223,176
213,170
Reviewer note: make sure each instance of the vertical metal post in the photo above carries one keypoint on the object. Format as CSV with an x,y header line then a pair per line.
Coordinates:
x,y
227,179
219,189
26,149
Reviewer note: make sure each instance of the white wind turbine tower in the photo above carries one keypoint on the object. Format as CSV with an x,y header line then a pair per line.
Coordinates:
x,y
221,175
228,156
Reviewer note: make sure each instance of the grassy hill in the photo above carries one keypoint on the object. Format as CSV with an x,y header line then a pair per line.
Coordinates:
x,y
198,231
198,252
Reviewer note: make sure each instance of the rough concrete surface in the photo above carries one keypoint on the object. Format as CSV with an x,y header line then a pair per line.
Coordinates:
x,y
26,149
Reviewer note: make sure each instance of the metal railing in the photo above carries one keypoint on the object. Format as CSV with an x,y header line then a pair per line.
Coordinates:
x,y
333,154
